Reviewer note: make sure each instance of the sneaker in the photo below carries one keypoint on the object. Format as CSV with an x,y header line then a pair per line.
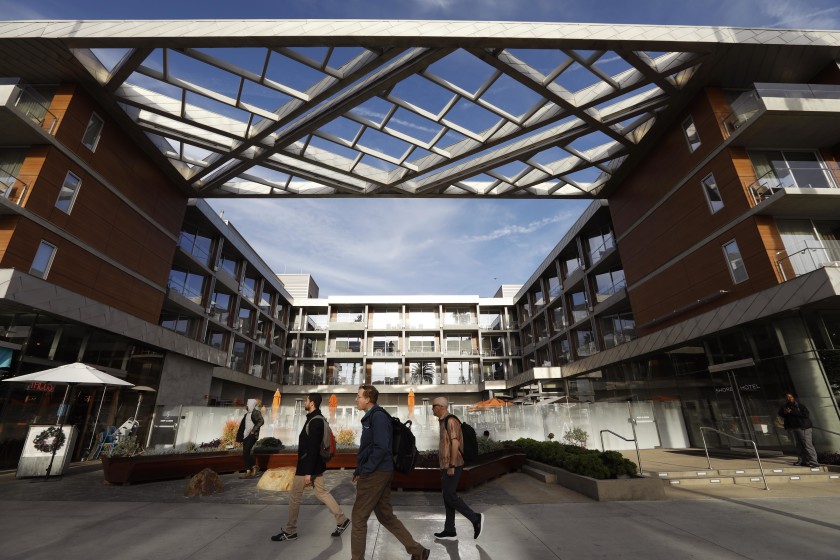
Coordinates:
x,y
284,536
447,536
340,528
479,527
423,555
797,464
813,465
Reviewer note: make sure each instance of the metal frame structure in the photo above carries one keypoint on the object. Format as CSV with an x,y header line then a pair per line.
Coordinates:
x,y
395,108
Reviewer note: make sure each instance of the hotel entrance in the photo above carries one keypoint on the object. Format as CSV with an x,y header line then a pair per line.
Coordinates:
x,y
744,405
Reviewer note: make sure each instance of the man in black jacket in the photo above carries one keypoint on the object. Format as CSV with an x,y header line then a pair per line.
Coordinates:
x,y
798,423
310,470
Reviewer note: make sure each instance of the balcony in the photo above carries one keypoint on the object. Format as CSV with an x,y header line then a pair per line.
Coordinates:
x,y
24,115
788,115
12,187
816,254
348,325
793,192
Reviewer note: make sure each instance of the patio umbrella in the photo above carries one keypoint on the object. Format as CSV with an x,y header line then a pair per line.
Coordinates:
x,y
490,403
275,412
71,375
411,403
333,407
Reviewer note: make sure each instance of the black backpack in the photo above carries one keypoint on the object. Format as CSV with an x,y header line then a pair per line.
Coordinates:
x,y
403,445
470,447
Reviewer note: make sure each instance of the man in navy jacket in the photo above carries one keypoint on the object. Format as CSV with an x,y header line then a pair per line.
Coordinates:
x,y
373,474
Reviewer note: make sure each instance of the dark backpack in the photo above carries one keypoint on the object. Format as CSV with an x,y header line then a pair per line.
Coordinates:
x,y
469,450
327,446
403,445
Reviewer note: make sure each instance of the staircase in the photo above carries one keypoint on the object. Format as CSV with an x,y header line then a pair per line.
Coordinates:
x,y
751,476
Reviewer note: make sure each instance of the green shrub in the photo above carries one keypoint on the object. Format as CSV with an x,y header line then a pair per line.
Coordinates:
x,y
578,460
269,442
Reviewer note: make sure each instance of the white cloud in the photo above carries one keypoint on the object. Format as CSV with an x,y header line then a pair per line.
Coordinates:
x,y
804,15
13,10
514,229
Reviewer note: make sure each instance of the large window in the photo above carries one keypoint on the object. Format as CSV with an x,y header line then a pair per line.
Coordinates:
x,y
67,194
421,344
735,262
93,132
43,260
712,192
691,135
790,169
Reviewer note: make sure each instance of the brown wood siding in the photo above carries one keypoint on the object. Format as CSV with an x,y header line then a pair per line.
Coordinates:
x,y
652,249
129,235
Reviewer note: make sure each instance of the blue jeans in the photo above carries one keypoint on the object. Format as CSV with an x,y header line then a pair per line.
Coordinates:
x,y
452,502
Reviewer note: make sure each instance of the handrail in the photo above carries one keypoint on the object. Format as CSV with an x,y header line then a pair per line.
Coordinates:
x,y
755,448
634,440
824,430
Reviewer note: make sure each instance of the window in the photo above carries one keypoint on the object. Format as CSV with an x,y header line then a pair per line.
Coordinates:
x,y
67,194
43,260
712,193
736,263
691,135
93,132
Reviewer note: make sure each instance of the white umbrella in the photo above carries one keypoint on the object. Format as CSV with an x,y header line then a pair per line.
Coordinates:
x,y
71,374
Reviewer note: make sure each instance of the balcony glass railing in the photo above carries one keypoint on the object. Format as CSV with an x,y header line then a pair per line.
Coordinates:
x,y
817,176
603,245
190,244
604,292
188,292
749,103
12,188
35,107
815,254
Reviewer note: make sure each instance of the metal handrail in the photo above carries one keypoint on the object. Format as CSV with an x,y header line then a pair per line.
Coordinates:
x,y
755,448
824,430
634,440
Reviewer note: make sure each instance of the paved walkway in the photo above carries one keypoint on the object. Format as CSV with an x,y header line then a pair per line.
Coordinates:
x,y
80,517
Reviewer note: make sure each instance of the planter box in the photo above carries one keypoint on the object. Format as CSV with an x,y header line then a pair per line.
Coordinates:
x,y
473,475
127,470
622,489
279,460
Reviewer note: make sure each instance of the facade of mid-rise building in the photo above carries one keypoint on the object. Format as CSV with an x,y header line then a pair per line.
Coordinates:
x,y
699,289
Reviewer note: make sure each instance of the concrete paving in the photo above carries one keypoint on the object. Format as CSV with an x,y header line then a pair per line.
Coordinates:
x,y
80,517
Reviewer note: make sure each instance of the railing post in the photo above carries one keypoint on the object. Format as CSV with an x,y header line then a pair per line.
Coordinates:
x,y
706,448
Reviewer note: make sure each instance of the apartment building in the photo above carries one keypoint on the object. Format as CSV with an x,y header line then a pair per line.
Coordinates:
x,y
699,286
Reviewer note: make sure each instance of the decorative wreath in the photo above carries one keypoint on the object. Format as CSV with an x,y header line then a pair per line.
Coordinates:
x,y
50,438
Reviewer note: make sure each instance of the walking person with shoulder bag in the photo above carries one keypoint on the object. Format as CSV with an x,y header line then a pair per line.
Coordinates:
x,y
249,432
311,466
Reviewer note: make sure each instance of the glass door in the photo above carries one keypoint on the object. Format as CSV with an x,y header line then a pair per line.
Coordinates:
x,y
743,410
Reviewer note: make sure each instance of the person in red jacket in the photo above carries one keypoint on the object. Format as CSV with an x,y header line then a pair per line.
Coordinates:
x,y
310,470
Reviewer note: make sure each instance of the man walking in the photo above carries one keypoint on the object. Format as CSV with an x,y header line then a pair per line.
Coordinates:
x,y
451,454
310,470
373,474
798,423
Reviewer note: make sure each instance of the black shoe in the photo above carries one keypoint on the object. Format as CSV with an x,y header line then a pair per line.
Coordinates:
x,y
797,464
340,528
423,555
447,536
479,526
813,465
284,536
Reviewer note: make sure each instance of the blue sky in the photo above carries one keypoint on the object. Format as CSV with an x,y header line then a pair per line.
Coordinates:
x,y
430,246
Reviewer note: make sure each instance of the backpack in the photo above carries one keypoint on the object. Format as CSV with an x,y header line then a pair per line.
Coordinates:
x,y
403,445
469,449
327,446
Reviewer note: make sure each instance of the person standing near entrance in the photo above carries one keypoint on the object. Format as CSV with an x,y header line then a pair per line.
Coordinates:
x,y
249,429
372,477
798,424
310,470
451,454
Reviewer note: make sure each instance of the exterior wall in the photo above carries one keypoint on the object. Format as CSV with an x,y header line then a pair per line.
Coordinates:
x,y
670,241
184,381
118,240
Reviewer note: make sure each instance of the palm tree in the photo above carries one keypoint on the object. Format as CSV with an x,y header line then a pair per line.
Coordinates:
x,y
422,372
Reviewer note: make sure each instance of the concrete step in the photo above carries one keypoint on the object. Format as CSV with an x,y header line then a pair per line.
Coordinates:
x,y
774,475
542,476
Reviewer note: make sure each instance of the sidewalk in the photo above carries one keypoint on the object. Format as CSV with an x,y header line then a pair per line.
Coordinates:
x,y
79,517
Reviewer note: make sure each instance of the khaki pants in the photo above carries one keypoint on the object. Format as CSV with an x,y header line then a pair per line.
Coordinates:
x,y
373,494
296,493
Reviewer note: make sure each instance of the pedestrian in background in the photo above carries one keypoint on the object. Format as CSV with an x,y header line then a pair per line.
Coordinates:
x,y
797,419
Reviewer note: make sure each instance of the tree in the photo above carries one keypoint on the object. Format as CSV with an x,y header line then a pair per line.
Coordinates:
x,y
422,372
